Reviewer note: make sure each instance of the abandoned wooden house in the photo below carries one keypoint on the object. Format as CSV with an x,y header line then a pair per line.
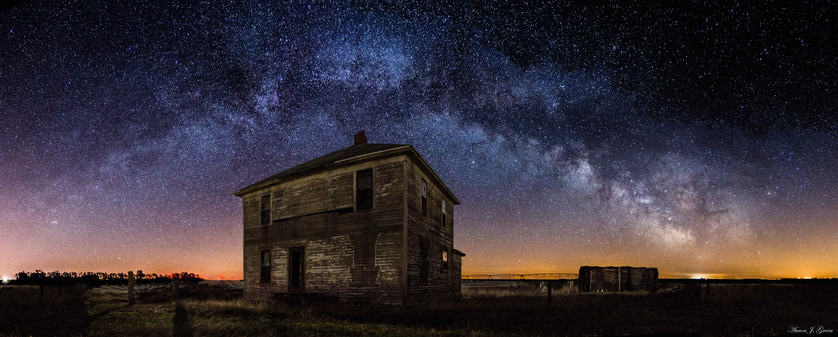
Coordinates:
x,y
619,279
369,223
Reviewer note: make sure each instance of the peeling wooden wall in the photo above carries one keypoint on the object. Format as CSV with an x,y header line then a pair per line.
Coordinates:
x,y
594,279
427,229
457,276
354,256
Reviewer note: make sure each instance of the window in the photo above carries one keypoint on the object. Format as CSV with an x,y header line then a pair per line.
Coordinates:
x,y
363,189
443,220
444,261
296,264
424,197
265,210
265,275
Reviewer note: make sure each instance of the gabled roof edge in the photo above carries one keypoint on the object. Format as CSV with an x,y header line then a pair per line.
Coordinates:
x,y
321,164
409,149
433,175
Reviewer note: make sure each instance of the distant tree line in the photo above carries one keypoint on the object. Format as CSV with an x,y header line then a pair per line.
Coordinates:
x,y
97,278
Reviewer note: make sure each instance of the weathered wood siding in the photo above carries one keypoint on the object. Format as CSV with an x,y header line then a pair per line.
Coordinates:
x,y
354,256
320,193
426,280
594,279
457,276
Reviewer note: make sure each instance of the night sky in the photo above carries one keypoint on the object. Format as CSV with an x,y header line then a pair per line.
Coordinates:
x,y
699,139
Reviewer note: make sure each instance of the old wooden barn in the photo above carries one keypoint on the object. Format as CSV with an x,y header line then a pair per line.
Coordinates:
x,y
595,279
369,223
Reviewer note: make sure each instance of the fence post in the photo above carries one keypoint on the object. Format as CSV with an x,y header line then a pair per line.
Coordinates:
x,y
131,283
708,289
549,292
174,288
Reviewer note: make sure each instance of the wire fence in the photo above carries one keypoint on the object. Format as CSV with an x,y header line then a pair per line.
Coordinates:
x,y
531,276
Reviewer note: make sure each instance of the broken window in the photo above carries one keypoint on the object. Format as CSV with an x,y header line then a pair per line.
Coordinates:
x,y
444,215
363,189
265,275
265,209
424,197
297,269
444,261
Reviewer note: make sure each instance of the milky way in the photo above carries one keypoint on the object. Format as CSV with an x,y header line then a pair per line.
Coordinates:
x,y
700,140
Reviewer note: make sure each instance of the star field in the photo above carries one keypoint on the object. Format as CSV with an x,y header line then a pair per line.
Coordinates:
x,y
698,139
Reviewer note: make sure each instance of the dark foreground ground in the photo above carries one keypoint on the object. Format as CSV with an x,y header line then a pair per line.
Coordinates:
x,y
215,309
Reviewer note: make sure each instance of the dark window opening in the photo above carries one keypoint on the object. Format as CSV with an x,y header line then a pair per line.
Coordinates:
x,y
444,261
423,259
265,274
363,189
424,197
444,215
265,210
297,269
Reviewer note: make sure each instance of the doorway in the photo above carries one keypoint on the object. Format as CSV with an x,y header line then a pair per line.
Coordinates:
x,y
296,269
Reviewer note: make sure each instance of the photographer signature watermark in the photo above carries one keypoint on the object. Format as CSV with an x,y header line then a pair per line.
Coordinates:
x,y
812,330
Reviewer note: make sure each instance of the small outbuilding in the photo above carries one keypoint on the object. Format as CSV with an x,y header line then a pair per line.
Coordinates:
x,y
369,223
619,279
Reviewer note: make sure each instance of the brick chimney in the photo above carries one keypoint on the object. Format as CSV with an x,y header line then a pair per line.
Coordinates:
x,y
360,138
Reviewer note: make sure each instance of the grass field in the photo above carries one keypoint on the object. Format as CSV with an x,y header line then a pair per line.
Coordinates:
x,y
217,310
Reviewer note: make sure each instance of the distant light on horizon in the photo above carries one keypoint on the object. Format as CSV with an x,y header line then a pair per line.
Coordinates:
x,y
6,279
713,276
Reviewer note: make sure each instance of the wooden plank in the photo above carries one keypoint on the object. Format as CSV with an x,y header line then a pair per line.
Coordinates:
x,y
439,284
353,256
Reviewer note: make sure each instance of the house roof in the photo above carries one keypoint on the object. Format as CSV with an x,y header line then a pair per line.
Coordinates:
x,y
347,156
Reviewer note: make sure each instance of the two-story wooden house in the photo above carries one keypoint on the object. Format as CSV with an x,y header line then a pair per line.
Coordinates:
x,y
369,223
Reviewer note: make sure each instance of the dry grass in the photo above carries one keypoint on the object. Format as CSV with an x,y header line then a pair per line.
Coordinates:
x,y
728,310
47,311
239,318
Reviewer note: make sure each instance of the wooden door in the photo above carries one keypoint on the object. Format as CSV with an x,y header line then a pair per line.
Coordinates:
x,y
296,270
